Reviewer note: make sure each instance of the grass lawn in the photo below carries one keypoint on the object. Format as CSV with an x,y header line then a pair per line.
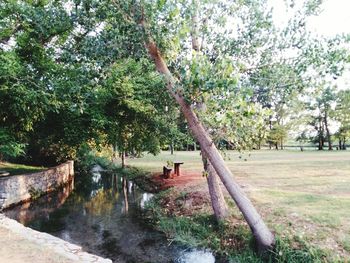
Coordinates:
x,y
300,194
14,169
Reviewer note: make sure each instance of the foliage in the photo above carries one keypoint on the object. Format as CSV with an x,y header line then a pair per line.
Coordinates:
x,y
27,64
59,92
225,239
341,114
321,112
277,135
132,107
77,75
8,146
88,157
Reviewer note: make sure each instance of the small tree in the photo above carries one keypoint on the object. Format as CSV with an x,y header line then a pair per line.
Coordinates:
x,y
342,115
277,135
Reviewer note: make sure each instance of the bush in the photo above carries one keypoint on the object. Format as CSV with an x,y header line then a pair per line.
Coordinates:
x,y
8,146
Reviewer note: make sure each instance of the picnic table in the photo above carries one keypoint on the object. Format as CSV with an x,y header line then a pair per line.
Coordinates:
x,y
177,167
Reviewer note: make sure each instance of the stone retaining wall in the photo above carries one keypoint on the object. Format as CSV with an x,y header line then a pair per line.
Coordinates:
x,y
53,245
20,188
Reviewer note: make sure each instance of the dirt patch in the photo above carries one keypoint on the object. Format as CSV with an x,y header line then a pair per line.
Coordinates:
x,y
180,182
186,204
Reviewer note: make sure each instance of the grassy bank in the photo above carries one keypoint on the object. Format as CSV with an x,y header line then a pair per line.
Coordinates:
x,y
303,197
15,169
185,217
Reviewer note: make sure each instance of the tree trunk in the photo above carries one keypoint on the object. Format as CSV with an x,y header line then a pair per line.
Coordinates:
x,y
330,147
123,159
320,135
270,126
323,137
320,146
115,153
171,148
264,238
216,195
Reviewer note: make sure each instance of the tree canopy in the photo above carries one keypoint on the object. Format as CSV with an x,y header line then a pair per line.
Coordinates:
x,y
77,72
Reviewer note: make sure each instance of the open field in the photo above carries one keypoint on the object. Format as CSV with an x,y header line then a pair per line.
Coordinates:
x,y
301,194
14,169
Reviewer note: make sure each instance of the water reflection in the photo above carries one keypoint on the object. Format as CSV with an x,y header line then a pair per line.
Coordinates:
x,y
195,256
125,192
145,198
45,205
104,215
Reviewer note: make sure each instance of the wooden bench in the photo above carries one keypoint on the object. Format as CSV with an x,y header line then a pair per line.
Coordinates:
x,y
166,172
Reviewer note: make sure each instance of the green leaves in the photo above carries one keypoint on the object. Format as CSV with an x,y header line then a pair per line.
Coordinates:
x,y
203,78
130,107
10,66
86,64
8,145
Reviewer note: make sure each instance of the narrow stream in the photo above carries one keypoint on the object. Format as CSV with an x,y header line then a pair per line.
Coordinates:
x,y
102,213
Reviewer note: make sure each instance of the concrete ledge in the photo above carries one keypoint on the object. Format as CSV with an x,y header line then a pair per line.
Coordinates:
x,y
67,250
20,188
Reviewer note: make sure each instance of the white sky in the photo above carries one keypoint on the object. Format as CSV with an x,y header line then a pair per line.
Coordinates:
x,y
334,19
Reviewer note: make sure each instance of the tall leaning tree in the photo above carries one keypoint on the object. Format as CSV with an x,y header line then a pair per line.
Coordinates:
x,y
233,37
166,35
228,33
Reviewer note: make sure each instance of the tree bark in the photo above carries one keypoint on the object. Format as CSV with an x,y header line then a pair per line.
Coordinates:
x,y
320,135
195,29
330,147
264,238
218,202
320,146
171,146
123,159
115,153
282,144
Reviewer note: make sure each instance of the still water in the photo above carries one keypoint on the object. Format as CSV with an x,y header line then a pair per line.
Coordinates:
x,y
103,214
